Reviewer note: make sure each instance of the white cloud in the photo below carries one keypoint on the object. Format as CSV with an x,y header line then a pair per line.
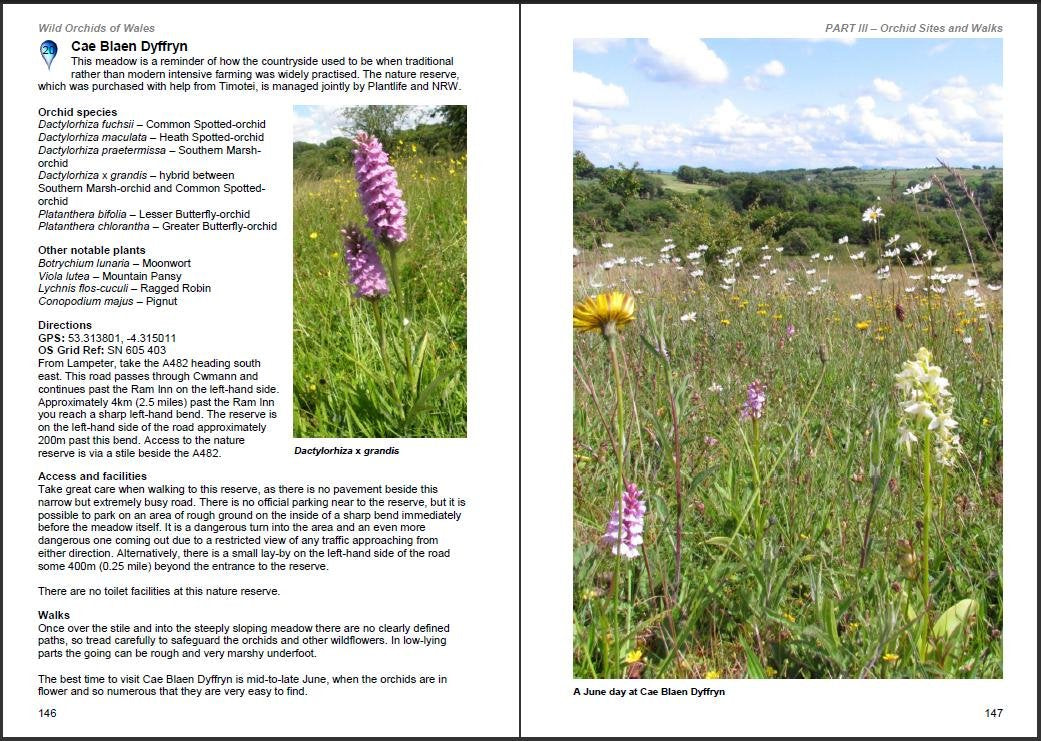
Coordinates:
x,y
597,46
838,112
939,48
681,60
773,68
751,82
884,130
934,129
592,92
316,124
887,89
589,116
978,111
956,121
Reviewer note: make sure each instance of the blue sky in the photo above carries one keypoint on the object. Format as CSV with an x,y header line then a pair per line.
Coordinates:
x,y
756,104
319,123
316,123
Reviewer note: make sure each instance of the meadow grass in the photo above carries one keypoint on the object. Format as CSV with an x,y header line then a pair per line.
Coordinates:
x,y
881,179
343,386
800,545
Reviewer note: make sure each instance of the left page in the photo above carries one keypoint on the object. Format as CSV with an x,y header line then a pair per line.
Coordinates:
x,y
260,361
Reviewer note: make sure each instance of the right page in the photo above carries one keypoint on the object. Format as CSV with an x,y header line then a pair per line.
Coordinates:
x,y
780,407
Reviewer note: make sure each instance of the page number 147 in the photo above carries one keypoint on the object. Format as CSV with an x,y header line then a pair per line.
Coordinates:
x,y
994,712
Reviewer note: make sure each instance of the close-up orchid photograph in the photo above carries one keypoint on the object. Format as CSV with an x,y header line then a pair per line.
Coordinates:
x,y
379,272
787,281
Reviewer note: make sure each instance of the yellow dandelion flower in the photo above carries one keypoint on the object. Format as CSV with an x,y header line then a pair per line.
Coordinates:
x,y
853,626
778,317
314,235
725,322
414,150
712,674
313,387
590,594
789,617
633,656
761,313
890,658
606,312
863,325
771,672
986,422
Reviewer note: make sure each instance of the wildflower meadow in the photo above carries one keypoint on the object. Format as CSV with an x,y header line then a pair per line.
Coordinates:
x,y
379,272
788,464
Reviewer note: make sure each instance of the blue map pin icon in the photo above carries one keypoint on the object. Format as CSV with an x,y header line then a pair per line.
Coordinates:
x,y
48,50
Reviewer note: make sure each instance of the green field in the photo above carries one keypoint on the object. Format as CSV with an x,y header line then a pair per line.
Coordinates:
x,y
881,179
673,183
346,382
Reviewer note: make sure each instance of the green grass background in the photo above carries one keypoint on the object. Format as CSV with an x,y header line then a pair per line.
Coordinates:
x,y
802,606
340,384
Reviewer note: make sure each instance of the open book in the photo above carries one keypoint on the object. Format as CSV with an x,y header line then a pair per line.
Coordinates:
x,y
519,370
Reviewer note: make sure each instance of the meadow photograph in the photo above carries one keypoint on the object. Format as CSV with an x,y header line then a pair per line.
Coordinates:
x,y
379,272
787,427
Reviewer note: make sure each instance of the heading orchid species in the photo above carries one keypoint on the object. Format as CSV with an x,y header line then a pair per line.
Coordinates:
x,y
363,261
927,405
378,190
755,401
625,534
